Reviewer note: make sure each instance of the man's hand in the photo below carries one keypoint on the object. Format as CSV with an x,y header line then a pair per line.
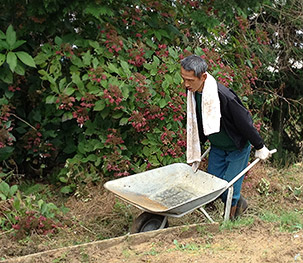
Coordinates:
x,y
195,166
263,153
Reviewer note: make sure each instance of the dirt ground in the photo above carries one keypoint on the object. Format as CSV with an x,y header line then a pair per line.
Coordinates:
x,y
103,216
257,243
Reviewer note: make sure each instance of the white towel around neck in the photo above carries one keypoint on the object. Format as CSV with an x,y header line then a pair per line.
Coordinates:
x,y
211,114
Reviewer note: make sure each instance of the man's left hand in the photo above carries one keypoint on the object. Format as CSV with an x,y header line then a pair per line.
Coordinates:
x,y
263,153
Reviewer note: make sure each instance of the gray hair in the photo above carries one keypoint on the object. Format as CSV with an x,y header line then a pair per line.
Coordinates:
x,y
194,63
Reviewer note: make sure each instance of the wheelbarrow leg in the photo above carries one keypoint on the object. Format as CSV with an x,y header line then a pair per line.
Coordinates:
x,y
164,222
206,214
228,203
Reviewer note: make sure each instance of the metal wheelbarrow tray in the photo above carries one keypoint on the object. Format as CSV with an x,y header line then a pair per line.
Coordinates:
x,y
172,190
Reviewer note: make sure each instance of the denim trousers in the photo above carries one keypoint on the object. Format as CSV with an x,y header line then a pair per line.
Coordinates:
x,y
227,165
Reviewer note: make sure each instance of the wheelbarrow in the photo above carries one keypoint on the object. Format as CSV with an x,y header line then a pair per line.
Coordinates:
x,y
171,191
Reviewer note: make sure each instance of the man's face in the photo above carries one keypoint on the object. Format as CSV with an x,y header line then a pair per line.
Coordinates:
x,y
192,82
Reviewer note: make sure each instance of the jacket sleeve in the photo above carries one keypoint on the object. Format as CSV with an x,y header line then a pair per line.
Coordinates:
x,y
243,122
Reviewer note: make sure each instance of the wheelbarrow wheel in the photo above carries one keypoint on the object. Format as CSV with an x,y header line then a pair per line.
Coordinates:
x,y
147,222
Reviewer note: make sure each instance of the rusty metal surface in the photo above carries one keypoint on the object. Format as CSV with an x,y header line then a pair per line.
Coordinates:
x,y
170,189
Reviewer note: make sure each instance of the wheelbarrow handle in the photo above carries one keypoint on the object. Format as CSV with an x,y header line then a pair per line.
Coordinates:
x,y
246,169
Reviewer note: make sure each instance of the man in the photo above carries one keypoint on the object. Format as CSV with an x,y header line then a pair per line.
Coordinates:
x,y
215,113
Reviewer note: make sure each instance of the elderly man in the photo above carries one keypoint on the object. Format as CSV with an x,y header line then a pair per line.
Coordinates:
x,y
215,113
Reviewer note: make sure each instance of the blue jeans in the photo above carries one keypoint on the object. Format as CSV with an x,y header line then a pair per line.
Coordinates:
x,y
226,165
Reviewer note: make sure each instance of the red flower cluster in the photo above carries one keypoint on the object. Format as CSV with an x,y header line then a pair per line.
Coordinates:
x,y
97,75
81,114
113,138
13,89
170,148
138,121
154,112
136,57
113,42
34,142
33,222
142,94
113,94
163,52
66,103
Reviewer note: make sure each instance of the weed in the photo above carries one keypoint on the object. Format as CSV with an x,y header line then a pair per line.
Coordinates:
x,y
289,221
242,221
152,252
60,259
126,253
296,191
84,257
201,230
184,229
186,247
263,187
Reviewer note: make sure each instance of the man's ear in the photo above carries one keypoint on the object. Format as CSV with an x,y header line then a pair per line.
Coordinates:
x,y
203,77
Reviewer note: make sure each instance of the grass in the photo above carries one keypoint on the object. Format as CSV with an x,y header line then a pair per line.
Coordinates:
x,y
287,221
236,224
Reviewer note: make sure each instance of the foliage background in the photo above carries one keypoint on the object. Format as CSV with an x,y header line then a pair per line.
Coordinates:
x,y
92,89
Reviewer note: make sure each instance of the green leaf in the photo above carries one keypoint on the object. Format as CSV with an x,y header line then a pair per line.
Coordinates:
x,y
66,189
173,53
50,99
62,84
40,58
13,190
58,40
99,105
6,75
18,44
63,179
10,36
125,67
113,68
77,61
162,103
69,91
94,44
67,116
249,63
105,113
40,203
16,204
2,35
4,188
11,60
19,69
2,59
3,197
158,35
123,121
97,11
177,78
87,58
3,45
90,158
117,115
125,92
26,58
77,80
